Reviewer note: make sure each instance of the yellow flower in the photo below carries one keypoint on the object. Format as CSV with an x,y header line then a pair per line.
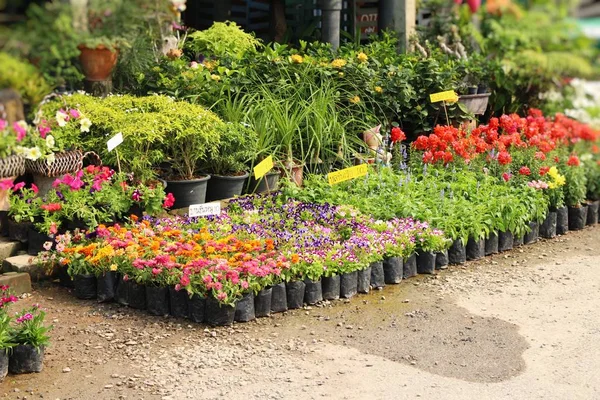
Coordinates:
x,y
210,65
560,180
113,267
341,74
552,185
297,59
378,89
355,100
215,77
338,63
362,57
553,172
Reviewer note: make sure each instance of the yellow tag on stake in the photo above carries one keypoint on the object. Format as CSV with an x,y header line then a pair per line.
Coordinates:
x,y
449,96
263,167
347,174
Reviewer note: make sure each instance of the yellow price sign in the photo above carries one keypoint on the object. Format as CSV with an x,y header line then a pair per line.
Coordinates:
x,y
449,96
347,174
263,167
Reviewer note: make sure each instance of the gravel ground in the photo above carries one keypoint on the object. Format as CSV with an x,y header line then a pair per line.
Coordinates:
x,y
519,325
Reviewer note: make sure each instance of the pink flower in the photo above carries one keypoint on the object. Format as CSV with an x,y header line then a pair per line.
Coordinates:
x,y
21,129
244,284
74,113
18,186
6,184
47,246
25,317
3,124
169,201
222,296
53,229
34,188
43,129
185,280
156,271
506,176
177,287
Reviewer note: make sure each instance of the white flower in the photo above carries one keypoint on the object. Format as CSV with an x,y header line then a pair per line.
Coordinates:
x,y
33,153
85,124
50,158
50,142
38,117
61,118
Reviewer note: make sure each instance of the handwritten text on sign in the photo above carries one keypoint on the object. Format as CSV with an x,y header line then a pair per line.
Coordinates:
x,y
203,210
448,95
114,141
347,174
263,167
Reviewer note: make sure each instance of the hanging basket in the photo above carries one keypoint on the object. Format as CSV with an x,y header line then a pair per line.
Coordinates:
x,y
475,103
12,166
65,162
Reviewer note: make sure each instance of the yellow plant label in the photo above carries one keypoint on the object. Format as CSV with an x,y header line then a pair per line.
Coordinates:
x,y
263,167
347,174
449,96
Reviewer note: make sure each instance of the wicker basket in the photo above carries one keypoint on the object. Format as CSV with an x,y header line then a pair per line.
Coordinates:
x,y
475,103
66,161
12,166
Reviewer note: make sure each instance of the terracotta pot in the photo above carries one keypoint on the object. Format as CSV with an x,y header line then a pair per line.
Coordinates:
x,y
97,63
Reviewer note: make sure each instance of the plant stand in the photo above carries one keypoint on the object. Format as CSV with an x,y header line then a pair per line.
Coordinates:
x,y
98,88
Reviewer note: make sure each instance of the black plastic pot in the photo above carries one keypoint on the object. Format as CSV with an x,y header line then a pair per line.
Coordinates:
x,y
313,291
3,223
157,300
363,280
592,213
410,266
25,359
64,278
441,260
225,187
577,217
107,286
426,262
178,302
262,302
483,88
19,231
393,269
548,227
377,275
475,249
217,314
491,244
457,253
533,234
505,241
3,364
562,220
268,182
85,286
131,294
197,307
295,294
244,308
472,90
331,287
189,192
36,241
518,240
348,284
279,298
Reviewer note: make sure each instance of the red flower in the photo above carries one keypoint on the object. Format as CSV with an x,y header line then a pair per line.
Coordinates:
x,y
448,157
504,158
540,156
397,135
506,176
544,170
51,207
524,171
427,157
573,161
422,143
169,201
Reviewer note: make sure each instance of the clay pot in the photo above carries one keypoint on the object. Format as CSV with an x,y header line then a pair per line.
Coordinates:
x,y
98,63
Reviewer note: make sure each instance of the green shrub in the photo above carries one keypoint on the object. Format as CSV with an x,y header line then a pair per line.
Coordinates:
x,y
24,78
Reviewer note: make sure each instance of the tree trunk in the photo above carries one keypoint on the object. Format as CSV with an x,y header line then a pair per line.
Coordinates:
x,y
278,24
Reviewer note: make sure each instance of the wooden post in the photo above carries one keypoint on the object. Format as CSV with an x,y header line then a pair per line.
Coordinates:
x,y
400,16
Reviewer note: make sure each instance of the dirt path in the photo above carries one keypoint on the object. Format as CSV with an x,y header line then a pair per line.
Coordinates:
x,y
521,325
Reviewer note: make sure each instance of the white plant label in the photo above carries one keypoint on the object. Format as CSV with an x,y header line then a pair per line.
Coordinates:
x,y
203,210
114,141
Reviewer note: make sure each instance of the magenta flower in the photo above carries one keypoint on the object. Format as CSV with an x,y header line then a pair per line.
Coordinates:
x,y
74,113
25,317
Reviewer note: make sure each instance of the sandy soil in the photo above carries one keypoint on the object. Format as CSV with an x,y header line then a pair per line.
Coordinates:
x,y
519,325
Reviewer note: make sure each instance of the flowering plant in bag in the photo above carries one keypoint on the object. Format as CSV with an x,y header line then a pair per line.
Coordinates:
x,y
29,328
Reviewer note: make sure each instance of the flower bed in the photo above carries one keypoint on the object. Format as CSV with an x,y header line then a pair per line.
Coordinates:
x,y
259,242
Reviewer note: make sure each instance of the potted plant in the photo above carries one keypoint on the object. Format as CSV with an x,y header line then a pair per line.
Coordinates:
x,y
98,58
24,210
575,192
228,167
31,338
195,138
6,343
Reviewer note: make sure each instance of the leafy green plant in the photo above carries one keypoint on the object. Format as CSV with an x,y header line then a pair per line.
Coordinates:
x,y
24,78
576,187
238,147
30,329
222,39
